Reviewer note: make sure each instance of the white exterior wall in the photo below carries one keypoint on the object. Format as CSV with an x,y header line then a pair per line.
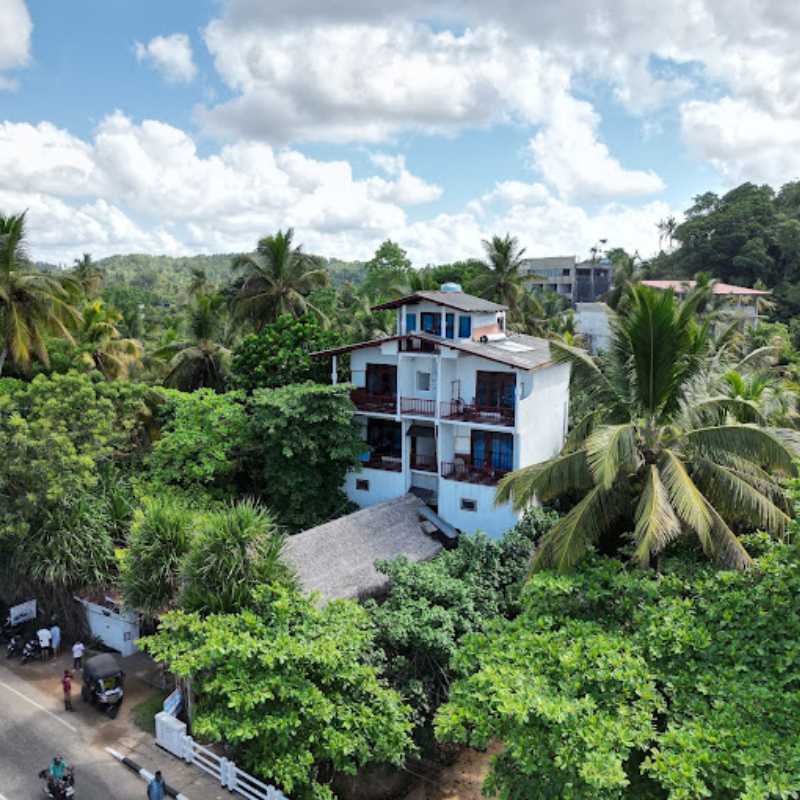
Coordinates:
x,y
493,521
383,485
592,321
117,631
542,418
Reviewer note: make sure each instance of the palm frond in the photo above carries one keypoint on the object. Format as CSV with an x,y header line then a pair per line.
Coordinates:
x,y
568,540
610,449
725,545
748,441
545,481
686,499
656,522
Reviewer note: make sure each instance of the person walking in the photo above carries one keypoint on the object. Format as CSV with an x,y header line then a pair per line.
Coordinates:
x,y
66,685
43,635
77,655
55,638
156,790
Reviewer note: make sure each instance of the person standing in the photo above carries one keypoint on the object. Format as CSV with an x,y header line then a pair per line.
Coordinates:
x,y
55,638
156,789
66,685
77,655
43,635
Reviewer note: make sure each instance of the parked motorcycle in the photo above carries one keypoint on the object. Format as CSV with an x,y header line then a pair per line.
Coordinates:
x,y
14,646
58,789
31,650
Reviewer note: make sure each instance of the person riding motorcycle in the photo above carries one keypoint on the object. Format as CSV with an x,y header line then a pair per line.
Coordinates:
x,y
58,768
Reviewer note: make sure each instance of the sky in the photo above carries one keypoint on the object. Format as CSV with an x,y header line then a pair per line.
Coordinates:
x,y
199,126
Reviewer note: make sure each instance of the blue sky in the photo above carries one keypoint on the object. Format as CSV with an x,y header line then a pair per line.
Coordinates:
x,y
194,126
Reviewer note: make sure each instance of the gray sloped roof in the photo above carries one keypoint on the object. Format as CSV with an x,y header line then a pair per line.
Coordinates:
x,y
337,559
461,301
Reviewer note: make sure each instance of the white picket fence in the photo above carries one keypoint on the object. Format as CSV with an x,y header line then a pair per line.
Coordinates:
x,y
171,735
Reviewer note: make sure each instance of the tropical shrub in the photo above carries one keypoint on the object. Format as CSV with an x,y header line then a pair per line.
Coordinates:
x,y
234,551
291,687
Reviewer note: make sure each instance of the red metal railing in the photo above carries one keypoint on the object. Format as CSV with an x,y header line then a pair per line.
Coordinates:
x,y
472,412
387,463
381,403
486,473
425,463
418,406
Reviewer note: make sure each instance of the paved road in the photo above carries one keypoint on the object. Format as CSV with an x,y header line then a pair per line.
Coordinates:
x,y
33,729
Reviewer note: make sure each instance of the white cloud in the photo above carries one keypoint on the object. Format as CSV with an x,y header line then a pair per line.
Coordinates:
x,y
742,141
144,188
170,55
15,39
574,162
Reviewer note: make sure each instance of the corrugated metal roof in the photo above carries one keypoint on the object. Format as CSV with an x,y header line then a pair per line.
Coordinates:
x,y
718,288
458,300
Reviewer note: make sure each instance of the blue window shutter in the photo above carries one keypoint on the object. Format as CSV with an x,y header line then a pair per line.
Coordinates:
x,y
450,326
464,327
478,449
411,322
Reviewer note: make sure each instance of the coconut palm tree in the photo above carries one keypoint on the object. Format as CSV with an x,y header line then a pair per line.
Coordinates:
x,y
103,347
648,461
199,361
502,279
88,276
33,304
276,280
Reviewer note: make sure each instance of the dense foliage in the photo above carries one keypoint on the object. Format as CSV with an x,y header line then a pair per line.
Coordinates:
x,y
432,605
280,354
291,687
302,441
623,683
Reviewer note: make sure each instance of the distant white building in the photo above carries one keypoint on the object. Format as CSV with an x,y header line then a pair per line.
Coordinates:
x,y
592,322
576,281
450,404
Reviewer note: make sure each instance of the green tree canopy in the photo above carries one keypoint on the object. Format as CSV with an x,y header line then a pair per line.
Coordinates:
x,y
501,279
302,441
291,687
280,354
619,683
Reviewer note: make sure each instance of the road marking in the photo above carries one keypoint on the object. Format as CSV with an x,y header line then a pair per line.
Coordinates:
x,y
41,708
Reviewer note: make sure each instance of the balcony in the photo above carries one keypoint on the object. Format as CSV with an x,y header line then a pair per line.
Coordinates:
x,y
384,462
472,412
417,406
424,463
485,474
376,403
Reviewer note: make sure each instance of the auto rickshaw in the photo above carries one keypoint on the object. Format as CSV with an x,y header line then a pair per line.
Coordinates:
x,y
102,683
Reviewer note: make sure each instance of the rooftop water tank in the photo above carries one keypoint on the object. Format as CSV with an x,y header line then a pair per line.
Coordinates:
x,y
451,287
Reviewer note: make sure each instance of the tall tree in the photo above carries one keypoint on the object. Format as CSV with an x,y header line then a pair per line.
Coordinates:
x,y
276,280
650,457
88,276
502,279
200,361
101,345
32,303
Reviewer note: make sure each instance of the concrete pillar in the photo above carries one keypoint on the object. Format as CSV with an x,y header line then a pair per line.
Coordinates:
x,y
334,376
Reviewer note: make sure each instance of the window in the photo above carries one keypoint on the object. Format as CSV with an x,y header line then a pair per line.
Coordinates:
x,y
423,381
385,438
362,484
468,505
492,451
431,322
382,379
495,389
464,327
411,322
450,326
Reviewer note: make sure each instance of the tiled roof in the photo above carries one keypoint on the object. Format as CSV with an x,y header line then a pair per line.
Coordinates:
x,y
458,300
515,350
718,288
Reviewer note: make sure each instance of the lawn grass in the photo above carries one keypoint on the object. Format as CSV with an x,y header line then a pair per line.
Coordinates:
x,y
144,713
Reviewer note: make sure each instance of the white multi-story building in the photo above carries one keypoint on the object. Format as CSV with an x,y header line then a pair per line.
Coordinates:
x,y
450,404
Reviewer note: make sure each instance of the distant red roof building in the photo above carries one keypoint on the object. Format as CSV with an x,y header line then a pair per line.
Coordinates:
x,y
681,287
